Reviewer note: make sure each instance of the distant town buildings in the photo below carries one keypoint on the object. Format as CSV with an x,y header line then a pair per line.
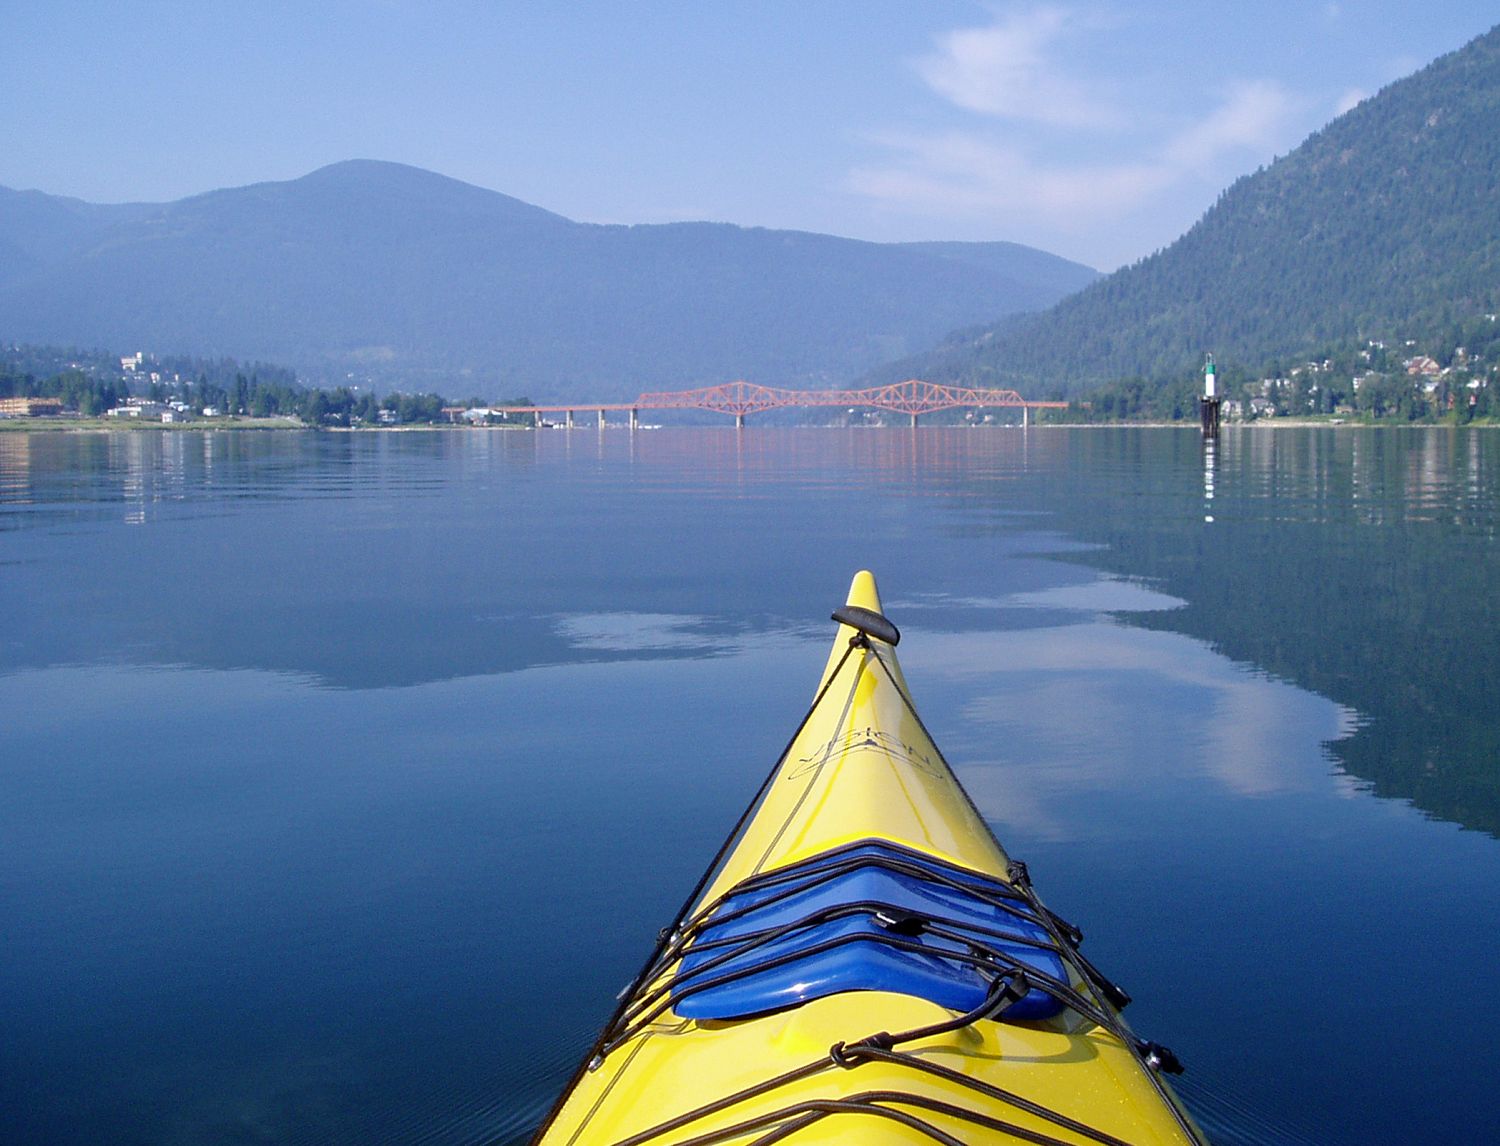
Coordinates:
x,y
152,411
138,408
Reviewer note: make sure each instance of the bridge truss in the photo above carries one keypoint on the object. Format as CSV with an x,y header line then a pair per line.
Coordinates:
x,y
913,397
910,397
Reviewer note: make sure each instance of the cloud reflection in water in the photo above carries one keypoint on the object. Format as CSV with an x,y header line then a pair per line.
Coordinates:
x,y
1058,717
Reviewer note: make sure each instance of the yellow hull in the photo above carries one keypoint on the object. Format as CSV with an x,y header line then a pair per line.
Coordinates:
x,y
863,771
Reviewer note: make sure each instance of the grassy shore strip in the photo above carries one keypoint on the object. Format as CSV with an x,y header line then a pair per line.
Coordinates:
x,y
1320,421
1345,422
133,426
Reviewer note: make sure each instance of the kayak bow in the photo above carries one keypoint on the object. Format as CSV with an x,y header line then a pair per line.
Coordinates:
x,y
863,963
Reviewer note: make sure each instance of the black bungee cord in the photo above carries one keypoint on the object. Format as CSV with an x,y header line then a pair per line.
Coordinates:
x,y
1012,981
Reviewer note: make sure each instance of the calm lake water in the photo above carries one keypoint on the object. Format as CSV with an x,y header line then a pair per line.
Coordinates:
x,y
345,778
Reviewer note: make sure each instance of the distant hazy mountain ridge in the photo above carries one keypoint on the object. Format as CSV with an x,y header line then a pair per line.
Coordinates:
x,y
377,269
1386,221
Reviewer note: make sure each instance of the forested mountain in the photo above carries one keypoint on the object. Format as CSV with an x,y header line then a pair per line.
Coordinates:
x,y
1383,225
376,271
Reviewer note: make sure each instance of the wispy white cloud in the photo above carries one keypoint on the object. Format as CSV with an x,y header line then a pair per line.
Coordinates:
x,y
1350,100
965,172
1010,69
1250,118
1015,76
972,172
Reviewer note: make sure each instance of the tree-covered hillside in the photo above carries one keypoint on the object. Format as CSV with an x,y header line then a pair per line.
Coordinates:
x,y
389,275
1384,225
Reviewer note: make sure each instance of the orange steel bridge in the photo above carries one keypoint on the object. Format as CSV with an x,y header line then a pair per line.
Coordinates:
x,y
912,397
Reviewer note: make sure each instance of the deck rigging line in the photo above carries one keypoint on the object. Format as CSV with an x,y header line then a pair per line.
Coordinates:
x,y
653,991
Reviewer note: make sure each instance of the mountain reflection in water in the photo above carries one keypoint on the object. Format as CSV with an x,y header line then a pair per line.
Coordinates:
x,y
1363,565
344,777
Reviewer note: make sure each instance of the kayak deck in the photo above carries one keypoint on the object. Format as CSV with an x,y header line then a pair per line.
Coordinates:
x,y
864,963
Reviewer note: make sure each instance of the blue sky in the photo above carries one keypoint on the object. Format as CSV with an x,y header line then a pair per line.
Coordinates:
x,y
1099,131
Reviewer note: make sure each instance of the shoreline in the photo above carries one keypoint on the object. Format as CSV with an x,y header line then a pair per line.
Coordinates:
x,y
65,425
81,425
46,425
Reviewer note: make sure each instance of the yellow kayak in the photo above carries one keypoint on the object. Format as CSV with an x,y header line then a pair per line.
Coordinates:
x,y
863,963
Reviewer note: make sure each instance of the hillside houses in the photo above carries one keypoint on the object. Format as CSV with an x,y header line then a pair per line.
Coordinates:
x,y
1379,379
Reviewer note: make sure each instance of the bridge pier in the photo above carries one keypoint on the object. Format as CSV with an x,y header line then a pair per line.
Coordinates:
x,y
915,398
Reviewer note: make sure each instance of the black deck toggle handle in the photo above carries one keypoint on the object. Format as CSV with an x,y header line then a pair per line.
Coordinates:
x,y
1159,1058
869,622
900,922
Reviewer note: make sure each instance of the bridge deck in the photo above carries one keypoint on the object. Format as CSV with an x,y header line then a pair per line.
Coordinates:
x,y
913,397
